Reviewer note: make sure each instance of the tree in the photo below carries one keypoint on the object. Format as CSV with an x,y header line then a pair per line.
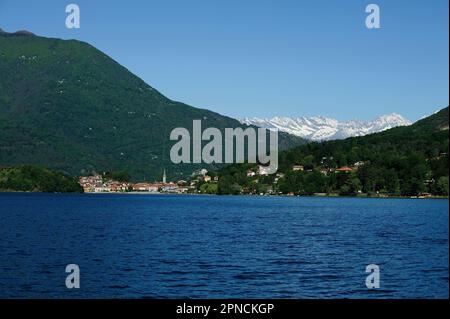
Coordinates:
x,y
392,183
355,185
209,188
227,186
412,187
442,186
308,160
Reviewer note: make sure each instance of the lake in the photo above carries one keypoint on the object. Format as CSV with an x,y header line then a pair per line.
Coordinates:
x,y
180,246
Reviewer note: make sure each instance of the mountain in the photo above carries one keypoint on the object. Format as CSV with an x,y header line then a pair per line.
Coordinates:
x,y
67,106
407,161
321,128
437,122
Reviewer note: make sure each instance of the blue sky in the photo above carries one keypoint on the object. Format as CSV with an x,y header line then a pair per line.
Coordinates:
x,y
266,58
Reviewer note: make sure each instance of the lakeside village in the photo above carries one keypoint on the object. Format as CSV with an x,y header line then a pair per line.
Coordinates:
x,y
256,180
102,184
201,182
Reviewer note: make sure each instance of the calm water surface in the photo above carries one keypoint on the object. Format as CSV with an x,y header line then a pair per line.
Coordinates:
x,y
159,246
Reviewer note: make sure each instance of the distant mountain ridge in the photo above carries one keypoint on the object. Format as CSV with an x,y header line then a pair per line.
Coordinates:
x,y
320,128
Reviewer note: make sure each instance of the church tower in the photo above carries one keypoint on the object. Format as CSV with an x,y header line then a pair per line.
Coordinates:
x,y
164,177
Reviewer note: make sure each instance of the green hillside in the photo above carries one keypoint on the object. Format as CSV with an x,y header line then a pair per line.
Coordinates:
x,y
36,179
67,106
406,161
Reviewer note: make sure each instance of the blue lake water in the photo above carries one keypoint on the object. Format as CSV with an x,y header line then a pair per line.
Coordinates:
x,y
158,246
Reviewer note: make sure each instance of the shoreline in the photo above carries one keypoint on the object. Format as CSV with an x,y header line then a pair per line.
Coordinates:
x,y
242,195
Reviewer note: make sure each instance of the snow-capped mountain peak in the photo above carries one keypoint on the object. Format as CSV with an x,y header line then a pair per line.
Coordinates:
x,y
319,128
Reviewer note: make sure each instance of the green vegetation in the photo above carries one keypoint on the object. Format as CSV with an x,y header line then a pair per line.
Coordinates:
x,y
67,106
120,176
404,161
34,179
208,188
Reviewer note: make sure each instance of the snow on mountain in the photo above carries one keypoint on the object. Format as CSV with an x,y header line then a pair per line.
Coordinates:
x,y
320,128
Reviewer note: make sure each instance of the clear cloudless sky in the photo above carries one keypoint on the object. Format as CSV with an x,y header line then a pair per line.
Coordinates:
x,y
262,58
